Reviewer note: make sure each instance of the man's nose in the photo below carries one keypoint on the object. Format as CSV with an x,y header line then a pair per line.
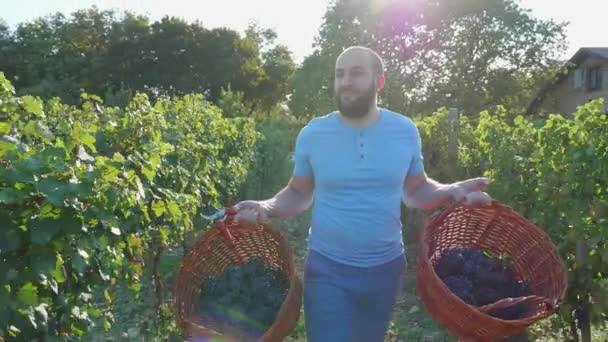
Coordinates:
x,y
345,81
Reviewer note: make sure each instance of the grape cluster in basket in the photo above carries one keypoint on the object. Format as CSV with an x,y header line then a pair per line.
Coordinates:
x,y
479,278
246,297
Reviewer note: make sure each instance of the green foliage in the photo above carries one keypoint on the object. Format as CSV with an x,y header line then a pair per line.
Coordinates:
x,y
232,103
272,165
433,134
84,191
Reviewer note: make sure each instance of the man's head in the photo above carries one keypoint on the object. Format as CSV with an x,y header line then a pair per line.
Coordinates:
x,y
359,75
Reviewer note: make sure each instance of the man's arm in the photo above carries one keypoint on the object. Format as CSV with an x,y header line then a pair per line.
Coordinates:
x,y
292,200
423,192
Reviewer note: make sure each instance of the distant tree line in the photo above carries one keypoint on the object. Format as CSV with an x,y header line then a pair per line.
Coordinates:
x,y
470,54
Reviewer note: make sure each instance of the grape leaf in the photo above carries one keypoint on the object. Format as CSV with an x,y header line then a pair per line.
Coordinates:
x,y
57,273
32,105
28,294
42,265
54,190
43,230
9,238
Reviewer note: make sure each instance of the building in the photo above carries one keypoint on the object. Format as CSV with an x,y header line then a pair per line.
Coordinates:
x,y
585,79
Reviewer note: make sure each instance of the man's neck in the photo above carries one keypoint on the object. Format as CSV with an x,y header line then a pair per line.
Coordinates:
x,y
367,120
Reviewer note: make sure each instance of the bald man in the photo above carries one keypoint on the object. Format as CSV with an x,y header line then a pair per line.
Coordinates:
x,y
357,165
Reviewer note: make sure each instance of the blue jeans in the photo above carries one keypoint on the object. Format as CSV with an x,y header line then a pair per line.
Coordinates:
x,y
346,303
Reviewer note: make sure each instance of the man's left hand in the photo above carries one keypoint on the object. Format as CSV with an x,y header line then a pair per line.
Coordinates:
x,y
471,191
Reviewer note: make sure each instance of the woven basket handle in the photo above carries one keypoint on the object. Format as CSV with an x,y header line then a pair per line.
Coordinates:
x,y
507,302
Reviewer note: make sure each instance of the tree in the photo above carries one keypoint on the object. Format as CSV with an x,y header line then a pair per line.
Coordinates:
x,y
278,69
443,52
115,54
311,86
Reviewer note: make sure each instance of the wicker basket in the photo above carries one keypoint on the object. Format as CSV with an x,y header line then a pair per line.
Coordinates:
x,y
499,229
211,254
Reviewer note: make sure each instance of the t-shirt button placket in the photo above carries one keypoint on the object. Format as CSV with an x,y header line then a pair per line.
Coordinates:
x,y
361,154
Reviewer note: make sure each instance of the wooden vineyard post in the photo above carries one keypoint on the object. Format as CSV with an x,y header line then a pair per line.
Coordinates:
x,y
453,126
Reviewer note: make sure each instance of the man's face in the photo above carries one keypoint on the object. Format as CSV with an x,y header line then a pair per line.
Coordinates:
x,y
354,84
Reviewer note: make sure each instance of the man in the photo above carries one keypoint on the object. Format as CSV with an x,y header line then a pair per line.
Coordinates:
x,y
358,164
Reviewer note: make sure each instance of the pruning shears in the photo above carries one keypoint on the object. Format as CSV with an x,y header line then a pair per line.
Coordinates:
x,y
221,219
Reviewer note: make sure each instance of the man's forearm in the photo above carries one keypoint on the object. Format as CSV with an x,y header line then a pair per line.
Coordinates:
x,y
287,202
429,195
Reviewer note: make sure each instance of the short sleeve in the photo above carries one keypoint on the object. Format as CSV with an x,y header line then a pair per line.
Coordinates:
x,y
417,163
302,165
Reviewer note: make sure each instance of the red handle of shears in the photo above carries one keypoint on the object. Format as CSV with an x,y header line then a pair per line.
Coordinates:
x,y
222,225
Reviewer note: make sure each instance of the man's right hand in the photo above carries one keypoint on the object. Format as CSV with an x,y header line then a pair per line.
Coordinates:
x,y
290,201
252,212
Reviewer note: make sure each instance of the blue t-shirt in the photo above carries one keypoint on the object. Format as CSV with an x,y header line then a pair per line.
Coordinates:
x,y
359,175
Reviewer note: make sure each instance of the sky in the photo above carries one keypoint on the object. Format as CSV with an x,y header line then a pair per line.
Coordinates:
x,y
297,22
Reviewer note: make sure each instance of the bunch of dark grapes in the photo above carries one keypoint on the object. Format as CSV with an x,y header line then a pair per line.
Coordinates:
x,y
479,279
244,299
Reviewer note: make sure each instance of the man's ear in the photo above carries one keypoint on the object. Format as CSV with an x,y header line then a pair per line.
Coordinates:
x,y
380,82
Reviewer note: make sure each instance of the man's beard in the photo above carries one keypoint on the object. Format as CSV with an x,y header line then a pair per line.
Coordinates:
x,y
359,106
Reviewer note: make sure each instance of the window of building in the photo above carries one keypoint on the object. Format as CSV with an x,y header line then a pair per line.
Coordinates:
x,y
595,79
578,78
